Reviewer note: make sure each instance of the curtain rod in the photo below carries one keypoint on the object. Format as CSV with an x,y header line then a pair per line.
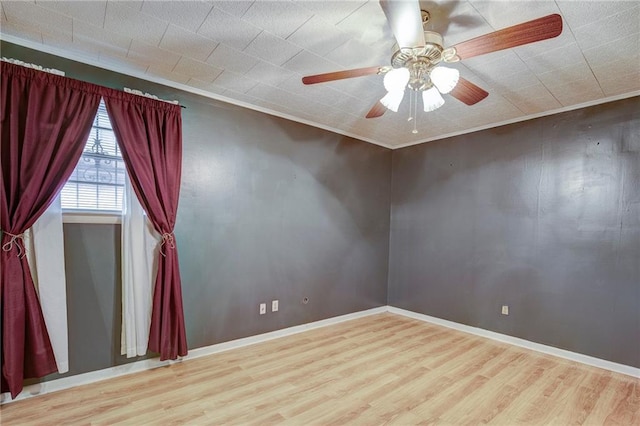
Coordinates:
x,y
33,66
62,73
149,95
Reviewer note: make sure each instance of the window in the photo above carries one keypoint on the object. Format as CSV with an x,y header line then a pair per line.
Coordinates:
x,y
97,182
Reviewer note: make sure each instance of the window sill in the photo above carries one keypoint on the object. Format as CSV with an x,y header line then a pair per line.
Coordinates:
x,y
95,218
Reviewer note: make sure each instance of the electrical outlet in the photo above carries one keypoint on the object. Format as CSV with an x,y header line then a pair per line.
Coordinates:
x,y
274,306
263,308
505,309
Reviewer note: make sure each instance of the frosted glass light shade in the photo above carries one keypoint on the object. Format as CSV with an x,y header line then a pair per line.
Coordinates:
x,y
445,79
396,79
392,100
431,100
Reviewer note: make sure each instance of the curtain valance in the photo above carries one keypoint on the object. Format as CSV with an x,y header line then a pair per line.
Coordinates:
x,y
40,77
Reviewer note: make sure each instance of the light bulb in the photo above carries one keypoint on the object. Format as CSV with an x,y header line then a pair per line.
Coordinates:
x,y
431,100
396,79
392,100
445,79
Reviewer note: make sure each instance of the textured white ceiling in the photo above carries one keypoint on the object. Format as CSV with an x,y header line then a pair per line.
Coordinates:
x,y
255,53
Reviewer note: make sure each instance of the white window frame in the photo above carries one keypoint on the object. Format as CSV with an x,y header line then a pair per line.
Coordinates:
x,y
92,216
103,218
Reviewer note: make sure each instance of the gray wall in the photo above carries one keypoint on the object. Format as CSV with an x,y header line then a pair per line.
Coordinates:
x,y
269,209
543,216
272,209
92,260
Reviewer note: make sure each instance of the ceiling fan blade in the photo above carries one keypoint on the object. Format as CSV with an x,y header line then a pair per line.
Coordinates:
x,y
467,92
405,20
377,110
528,32
339,75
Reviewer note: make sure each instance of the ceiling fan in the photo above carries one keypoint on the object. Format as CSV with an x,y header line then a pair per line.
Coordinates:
x,y
416,61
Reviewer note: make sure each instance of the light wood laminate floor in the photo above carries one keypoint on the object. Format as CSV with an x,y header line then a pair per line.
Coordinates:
x,y
380,369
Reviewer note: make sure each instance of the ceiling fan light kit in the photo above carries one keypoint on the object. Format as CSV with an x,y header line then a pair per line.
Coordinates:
x,y
395,82
445,79
432,100
396,79
415,63
392,100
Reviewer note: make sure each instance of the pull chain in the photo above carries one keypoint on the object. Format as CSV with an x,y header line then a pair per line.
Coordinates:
x,y
415,113
410,106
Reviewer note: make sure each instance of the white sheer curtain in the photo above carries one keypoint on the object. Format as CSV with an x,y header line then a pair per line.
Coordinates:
x,y
139,260
45,253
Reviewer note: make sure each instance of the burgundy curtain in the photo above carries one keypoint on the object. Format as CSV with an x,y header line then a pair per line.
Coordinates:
x,y
46,120
149,133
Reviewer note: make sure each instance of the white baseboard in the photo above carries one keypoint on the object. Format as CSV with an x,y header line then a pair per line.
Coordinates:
x,y
252,340
538,347
148,364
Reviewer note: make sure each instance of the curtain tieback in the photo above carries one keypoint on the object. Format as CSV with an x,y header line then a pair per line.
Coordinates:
x,y
8,246
167,238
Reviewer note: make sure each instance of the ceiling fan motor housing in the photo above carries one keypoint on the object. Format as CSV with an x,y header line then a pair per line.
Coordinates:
x,y
431,51
420,60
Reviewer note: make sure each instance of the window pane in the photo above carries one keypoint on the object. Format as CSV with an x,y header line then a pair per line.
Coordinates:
x,y
98,180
